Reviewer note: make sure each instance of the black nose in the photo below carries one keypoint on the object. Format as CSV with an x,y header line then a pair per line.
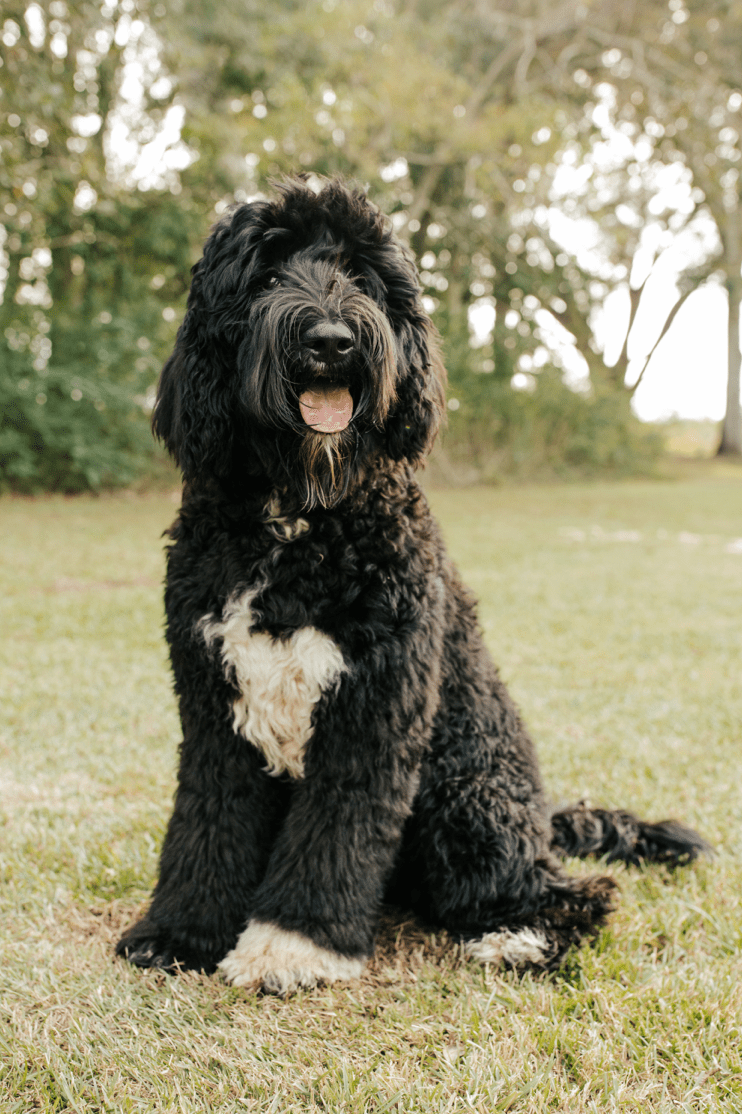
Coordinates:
x,y
328,341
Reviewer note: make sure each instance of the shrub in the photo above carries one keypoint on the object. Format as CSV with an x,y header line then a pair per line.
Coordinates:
x,y
497,431
62,431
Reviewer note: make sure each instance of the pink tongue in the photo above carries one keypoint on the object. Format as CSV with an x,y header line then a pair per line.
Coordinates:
x,y
326,409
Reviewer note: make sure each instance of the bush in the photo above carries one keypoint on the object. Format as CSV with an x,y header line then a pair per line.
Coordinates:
x,y
61,431
550,430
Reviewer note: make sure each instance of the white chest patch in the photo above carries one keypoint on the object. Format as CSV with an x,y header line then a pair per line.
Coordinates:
x,y
280,681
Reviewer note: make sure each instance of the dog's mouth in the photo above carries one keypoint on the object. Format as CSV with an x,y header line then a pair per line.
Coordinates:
x,y
326,407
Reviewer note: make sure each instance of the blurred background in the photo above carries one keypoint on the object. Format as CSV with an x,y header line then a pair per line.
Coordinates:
x,y
568,175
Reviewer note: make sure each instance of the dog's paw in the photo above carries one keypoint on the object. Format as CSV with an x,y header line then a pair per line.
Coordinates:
x,y
147,953
143,946
521,947
279,962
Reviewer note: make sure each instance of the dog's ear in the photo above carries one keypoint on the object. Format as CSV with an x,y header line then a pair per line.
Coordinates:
x,y
193,413
419,407
416,415
198,393
389,275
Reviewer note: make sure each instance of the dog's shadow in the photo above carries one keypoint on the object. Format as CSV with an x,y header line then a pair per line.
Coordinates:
x,y
405,945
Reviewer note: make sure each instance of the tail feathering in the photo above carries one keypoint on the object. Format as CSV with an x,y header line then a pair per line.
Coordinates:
x,y
582,831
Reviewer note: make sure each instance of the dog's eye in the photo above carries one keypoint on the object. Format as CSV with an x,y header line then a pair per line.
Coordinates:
x,y
273,281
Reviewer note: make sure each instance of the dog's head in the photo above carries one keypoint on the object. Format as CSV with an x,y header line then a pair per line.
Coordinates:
x,y
305,349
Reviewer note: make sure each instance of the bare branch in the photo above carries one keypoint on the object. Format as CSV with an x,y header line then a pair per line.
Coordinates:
x,y
635,297
664,331
441,156
521,52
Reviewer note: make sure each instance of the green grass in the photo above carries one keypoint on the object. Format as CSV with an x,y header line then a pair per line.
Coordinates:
x,y
614,613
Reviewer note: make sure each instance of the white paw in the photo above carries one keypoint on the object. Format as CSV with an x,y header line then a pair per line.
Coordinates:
x,y
280,961
527,945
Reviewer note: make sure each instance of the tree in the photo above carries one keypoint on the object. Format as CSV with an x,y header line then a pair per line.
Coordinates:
x,y
677,71
455,113
92,264
689,75
431,105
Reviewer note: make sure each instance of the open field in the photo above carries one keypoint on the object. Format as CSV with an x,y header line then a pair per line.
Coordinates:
x,y
614,611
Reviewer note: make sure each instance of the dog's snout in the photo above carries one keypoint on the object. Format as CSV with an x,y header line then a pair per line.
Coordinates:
x,y
329,341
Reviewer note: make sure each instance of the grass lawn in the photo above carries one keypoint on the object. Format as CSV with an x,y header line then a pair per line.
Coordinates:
x,y
614,613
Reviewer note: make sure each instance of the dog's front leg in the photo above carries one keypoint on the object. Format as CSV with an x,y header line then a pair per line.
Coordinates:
x,y
214,854
227,813
313,916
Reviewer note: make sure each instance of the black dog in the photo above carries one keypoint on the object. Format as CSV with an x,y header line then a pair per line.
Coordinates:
x,y
346,738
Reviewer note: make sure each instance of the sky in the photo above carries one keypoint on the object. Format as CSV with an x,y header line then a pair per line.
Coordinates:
x,y
687,375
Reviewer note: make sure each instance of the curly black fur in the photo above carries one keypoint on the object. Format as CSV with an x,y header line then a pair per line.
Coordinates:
x,y
584,831
308,585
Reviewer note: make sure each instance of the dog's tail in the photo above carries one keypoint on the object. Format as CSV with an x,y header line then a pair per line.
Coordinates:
x,y
582,831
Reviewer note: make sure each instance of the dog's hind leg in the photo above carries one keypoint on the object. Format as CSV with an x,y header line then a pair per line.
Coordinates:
x,y
477,862
583,903
477,858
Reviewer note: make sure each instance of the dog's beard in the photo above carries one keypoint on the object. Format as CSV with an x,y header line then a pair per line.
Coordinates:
x,y
284,383
324,465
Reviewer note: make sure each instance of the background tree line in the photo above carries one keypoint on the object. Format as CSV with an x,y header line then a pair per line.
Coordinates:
x,y
498,135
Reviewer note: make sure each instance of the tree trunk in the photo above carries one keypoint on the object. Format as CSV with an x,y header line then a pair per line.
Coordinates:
x,y
731,436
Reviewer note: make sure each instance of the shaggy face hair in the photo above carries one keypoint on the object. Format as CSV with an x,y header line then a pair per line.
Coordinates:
x,y
318,326
346,737
290,294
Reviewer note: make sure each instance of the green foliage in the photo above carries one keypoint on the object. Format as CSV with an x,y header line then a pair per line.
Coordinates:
x,y
541,427
455,115
547,428
94,271
65,432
